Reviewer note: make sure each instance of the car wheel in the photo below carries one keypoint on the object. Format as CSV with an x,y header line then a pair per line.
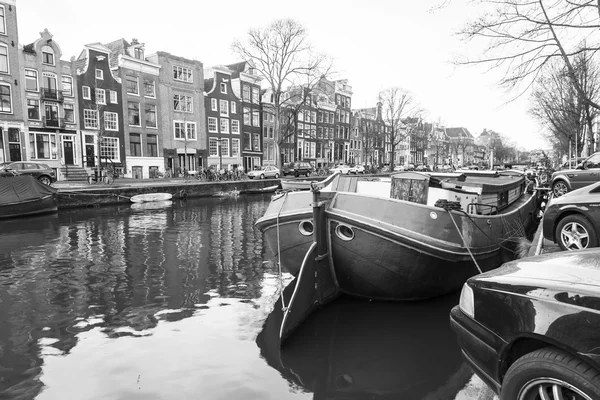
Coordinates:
x,y
550,373
307,174
575,232
276,176
45,180
262,176
559,188
296,174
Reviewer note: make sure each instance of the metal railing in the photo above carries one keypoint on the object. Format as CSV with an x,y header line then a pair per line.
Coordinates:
x,y
52,94
53,122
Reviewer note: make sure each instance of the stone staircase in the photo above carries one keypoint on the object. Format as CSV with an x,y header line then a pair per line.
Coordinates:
x,y
73,173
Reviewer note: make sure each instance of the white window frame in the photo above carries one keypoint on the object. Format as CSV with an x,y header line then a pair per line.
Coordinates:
x,y
215,141
214,105
86,93
7,59
108,119
235,142
235,127
255,118
224,128
114,145
113,97
223,87
137,85
215,122
233,107
3,26
48,52
185,103
185,125
89,116
225,140
99,74
224,108
37,81
38,108
183,74
100,96
153,96
62,84
11,99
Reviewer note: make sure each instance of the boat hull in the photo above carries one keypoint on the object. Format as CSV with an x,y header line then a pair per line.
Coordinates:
x,y
295,185
42,205
420,257
150,197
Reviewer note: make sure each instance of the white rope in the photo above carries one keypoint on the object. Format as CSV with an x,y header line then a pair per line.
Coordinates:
x,y
464,242
283,306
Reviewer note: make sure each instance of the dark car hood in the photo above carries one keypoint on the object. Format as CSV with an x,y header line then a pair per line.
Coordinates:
x,y
568,270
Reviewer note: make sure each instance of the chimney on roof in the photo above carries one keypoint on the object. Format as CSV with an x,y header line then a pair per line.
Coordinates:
x,y
379,106
134,41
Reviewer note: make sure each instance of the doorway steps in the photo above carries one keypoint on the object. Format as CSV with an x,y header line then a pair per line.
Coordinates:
x,y
73,173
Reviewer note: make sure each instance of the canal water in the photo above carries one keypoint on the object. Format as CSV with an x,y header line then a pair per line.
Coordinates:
x,y
178,301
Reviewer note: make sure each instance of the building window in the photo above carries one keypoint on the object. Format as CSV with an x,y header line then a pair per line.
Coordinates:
x,y
33,109
135,145
212,125
224,108
224,125
99,74
150,114
3,58
132,85
255,95
185,130
225,147
67,85
90,119
69,113
111,121
5,99
235,147
182,74
233,107
31,80
223,87
133,112
246,93
214,105
2,20
213,147
247,141
182,103
138,53
85,92
113,97
43,145
255,118
100,96
256,142
47,55
109,148
152,146
246,116
149,88
235,126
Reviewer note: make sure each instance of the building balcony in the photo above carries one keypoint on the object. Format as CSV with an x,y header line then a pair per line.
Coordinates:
x,y
53,122
52,94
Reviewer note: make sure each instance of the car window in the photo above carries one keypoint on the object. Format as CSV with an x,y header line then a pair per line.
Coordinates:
x,y
30,166
17,166
593,161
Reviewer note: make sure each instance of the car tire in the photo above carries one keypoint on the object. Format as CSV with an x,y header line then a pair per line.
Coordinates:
x,y
560,188
262,176
296,174
45,180
276,176
547,368
581,225
307,174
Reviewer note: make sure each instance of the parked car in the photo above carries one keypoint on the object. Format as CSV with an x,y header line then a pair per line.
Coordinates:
x,y
573,164
586,173
529,329
357,169
341,168
573,220
268,171
399,168
297,168
41,172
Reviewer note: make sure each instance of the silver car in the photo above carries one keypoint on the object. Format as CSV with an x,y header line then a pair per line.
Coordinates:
x,y
269,171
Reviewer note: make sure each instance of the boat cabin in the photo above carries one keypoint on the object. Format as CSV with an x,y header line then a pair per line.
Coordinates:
x,y
480,194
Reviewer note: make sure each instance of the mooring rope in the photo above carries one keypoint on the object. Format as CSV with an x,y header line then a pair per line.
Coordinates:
x,y
455,205
283,306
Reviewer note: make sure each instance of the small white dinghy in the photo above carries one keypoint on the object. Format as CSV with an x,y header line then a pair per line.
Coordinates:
x,y
150,197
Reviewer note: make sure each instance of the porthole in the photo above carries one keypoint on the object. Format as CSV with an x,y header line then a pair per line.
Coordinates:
x,y
344,232
306,227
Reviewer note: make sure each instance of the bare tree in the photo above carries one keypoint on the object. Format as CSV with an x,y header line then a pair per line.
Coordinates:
x,y
524,36
397,105
283,57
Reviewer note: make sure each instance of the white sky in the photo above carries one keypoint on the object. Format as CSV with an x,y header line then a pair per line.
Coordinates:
x,y
375,44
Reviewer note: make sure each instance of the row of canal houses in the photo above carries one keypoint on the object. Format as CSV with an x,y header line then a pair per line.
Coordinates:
x,y
145,113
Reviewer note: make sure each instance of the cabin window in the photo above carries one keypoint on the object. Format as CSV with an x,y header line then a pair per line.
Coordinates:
x,y
502,199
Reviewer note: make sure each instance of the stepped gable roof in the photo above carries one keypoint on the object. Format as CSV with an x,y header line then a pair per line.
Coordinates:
x,y
458,132
116,48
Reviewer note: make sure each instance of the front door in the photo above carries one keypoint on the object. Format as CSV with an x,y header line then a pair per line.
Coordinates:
x,y
90,156
68,152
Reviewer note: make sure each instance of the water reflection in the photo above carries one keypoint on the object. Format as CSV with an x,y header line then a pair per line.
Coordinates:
x,y
118,268
354,349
